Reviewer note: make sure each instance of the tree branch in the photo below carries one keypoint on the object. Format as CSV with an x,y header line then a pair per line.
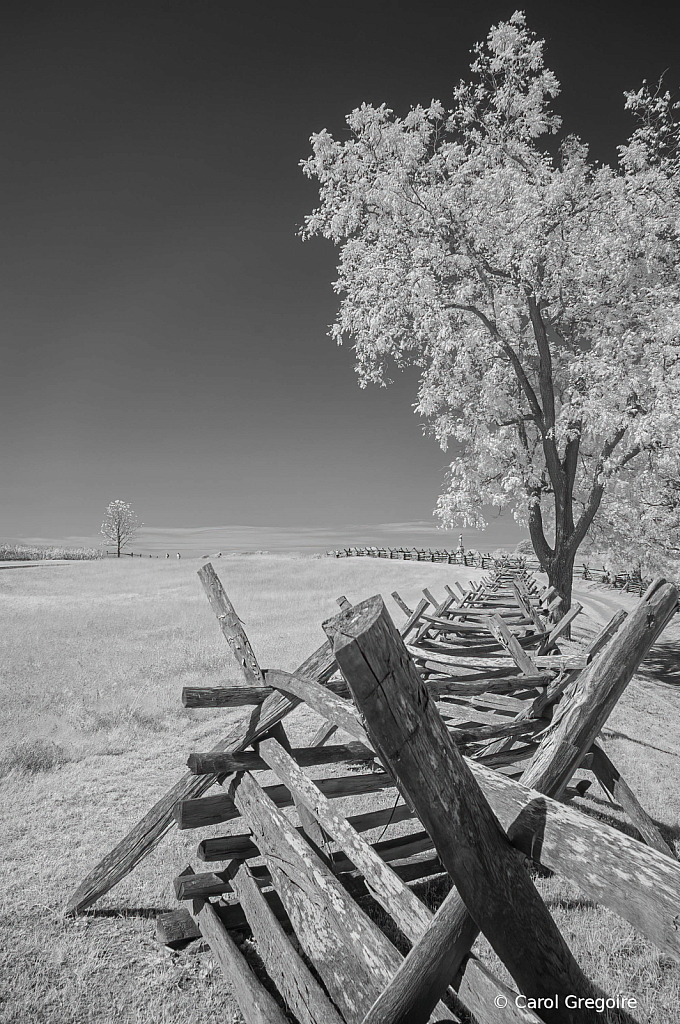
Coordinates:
x,y
525,383
543,550
597,489
545,362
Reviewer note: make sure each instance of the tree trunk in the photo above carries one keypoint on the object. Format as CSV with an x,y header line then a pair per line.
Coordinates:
x,y
560,571
119,547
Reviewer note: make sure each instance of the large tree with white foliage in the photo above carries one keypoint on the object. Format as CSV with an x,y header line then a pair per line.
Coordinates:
x,y
537,290
120,524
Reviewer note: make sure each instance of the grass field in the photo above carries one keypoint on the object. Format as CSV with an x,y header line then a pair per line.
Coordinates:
x,y
94,656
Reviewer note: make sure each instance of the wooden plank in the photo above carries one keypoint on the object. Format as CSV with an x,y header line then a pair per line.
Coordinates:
x,y
414,619
211,810
579,720
494,685
416,987
510,730
387,888
506,757
562,626
618,790
606,633
323,733
477,648
396,898
498,701
405,729
231,625
480,990
308,822
342,711
466,713
635,881
408,612
301,991
500,630
563,683
350,953
478,616
255,1003
224,696
557,662
320,699
176,929
209,763
523,599
240,846
422,864
438,610
476,626
239,696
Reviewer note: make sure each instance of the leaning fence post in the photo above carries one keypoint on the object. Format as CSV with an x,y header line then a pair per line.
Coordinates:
x,y
599,687
413,742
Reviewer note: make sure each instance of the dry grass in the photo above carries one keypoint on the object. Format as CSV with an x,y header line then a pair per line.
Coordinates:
x,y
94,656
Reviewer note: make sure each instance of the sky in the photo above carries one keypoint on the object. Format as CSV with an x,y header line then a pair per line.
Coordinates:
x,y
164,329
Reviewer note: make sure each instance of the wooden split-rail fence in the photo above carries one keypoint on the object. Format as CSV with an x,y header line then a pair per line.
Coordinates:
x,y
469,723
472,559
631,582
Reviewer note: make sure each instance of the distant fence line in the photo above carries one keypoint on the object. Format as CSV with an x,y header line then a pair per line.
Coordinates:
x,y
630,582
473,559
130,554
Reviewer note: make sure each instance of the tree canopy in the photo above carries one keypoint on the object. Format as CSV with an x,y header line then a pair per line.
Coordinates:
x,y
536,289
120,524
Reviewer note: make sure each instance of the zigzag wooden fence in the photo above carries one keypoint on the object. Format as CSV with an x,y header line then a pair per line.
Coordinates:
x,y
471,719
474,559
631,582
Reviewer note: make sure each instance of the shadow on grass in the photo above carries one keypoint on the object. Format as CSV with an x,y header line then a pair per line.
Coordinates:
x,y
662,664
612,734
123,912
32,756
668,832
566,903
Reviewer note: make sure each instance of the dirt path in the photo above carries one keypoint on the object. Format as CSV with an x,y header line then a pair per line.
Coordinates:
x,y
43,561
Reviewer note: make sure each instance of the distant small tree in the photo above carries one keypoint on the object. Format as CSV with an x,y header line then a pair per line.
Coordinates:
x,y
120,524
